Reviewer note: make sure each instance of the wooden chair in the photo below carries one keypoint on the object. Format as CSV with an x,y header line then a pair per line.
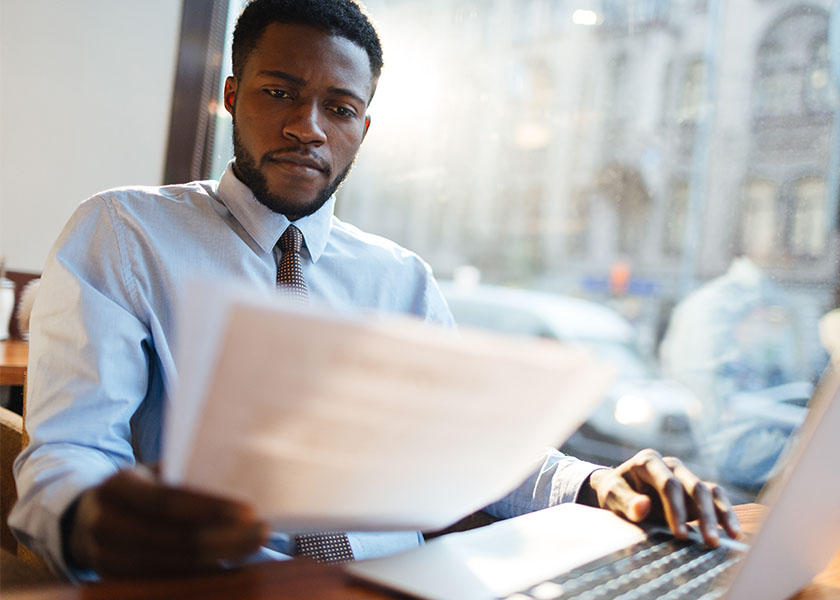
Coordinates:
x,y
19,566
11,434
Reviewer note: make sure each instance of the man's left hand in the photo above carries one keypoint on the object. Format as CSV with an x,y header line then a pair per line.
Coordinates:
x,y
650,486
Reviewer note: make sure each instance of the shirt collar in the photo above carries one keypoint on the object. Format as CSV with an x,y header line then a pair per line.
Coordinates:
x,y
265,225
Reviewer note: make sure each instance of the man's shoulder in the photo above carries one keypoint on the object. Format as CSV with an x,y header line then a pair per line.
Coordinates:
x,y
400,281
130,195
372,246
173,210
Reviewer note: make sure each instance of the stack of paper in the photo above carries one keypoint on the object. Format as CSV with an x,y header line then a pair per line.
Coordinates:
x,y
325,422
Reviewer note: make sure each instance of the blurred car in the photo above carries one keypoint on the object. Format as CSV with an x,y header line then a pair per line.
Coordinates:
x,y
640,409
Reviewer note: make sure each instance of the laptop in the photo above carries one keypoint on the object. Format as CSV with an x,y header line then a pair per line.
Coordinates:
x,y
574,551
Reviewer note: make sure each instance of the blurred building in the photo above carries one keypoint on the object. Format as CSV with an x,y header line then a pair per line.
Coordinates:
x,y
547,142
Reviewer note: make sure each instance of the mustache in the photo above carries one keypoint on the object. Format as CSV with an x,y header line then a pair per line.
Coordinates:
x,y
299,154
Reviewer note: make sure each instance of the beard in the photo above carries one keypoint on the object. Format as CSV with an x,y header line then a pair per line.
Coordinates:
x,y
248,171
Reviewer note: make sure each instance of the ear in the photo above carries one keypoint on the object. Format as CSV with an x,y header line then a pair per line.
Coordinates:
x,y
367,126
229,94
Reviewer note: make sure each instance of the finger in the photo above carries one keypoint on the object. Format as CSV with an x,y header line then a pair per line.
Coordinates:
x,y
133,562
701,497
194,549
151,471
136,493
207,543
726,514
616,494
648,468
231,542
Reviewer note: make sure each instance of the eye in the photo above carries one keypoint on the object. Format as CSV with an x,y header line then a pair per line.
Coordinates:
x,y
277,93
343,111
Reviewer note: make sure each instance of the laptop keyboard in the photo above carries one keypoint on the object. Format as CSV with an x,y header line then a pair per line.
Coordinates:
x,y
658,567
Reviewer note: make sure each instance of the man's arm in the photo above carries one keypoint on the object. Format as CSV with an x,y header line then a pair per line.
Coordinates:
x,y
92,367
88,373
646,487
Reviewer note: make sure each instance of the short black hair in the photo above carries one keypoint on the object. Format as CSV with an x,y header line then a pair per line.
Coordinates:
x,y
344,18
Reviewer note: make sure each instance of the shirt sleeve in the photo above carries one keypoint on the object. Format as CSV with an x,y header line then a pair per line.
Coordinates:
x,y
557,480
88,373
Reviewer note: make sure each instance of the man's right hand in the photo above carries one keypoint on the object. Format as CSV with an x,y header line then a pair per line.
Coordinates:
x,y
133,525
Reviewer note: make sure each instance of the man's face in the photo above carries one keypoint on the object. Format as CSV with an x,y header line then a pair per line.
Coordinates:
x,y
298,116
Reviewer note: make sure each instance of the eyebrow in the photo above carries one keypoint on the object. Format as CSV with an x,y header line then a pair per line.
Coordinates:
x,y
300,81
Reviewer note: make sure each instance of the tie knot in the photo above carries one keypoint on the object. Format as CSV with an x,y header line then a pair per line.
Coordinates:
x,y
291,240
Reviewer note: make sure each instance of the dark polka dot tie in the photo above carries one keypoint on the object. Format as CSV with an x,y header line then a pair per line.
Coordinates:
x,y
327,547
289,273
330,546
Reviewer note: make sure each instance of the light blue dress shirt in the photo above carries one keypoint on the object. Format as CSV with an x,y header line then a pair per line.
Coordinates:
x,y
101,360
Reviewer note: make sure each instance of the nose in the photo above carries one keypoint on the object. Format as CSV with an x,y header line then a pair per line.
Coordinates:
x,y
303,125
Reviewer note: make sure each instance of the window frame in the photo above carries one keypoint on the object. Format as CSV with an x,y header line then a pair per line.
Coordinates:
x,y
189,152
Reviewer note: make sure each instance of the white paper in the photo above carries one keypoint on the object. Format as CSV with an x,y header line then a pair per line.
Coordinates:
x,y
323,422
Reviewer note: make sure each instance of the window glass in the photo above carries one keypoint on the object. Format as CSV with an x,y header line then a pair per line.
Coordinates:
x,y
656,179
761,231
808,231
792,74
692,90
677,212
818,89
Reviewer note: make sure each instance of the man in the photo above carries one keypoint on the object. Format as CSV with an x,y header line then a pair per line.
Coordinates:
x,y
304,73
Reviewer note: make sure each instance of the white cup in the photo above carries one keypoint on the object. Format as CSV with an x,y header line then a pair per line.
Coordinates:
x,y
7,305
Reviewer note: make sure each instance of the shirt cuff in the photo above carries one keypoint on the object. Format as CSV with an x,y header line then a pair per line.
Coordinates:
x,y
558,479
569,480
47,488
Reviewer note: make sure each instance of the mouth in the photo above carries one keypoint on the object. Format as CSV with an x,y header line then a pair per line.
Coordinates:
x,y
297,163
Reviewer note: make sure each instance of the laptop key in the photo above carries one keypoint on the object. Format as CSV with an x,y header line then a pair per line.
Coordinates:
x,y
547,591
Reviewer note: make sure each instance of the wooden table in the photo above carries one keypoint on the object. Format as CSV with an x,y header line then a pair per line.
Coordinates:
x,y
293,580
14,355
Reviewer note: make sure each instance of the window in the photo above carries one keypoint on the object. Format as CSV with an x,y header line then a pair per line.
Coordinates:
x,y
691,99
792,73
785,223
761,220
638,13
676,218
809,219
625,191
528,145
818,90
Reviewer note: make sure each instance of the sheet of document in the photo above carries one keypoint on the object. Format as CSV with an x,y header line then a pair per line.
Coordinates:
x,y
328,422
